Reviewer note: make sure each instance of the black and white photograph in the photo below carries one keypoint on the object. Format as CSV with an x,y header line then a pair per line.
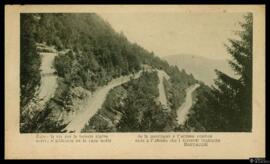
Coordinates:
x,y
135,72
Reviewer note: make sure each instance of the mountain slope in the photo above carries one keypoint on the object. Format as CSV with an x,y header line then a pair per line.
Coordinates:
x,y
202,68
90,55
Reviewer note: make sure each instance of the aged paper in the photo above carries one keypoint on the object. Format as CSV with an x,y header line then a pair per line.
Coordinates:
x,y
132,145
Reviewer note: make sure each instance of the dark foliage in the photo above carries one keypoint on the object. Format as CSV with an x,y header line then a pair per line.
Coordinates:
x,y
228,106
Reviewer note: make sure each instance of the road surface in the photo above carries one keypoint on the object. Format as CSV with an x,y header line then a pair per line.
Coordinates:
x,y
94,103
183,110
48,82
162,95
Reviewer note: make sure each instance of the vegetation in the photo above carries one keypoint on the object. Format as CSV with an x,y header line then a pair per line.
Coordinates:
x,y
140,111
112,110
95,54
30,60
180,81
228,105
43,120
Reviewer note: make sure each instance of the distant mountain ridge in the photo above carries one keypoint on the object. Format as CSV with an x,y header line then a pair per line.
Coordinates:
x,y
202,68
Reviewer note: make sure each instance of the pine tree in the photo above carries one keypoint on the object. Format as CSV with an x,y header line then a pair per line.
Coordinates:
x,y
233,96
30,60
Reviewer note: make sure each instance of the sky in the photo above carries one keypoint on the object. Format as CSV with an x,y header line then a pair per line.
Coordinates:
x,y
202,34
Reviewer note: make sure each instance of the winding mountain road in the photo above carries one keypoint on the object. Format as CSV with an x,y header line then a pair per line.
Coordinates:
x,y
48,82
162,96
182,112
94,103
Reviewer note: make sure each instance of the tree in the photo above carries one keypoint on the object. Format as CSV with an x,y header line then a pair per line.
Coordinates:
x,y
30,59
233,96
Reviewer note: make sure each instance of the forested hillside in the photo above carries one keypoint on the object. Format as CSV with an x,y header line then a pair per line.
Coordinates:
x,y
90,54
133,107
227,106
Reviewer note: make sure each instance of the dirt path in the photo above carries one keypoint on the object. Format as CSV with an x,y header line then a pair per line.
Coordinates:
x,y
48,82
183,111
162,96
